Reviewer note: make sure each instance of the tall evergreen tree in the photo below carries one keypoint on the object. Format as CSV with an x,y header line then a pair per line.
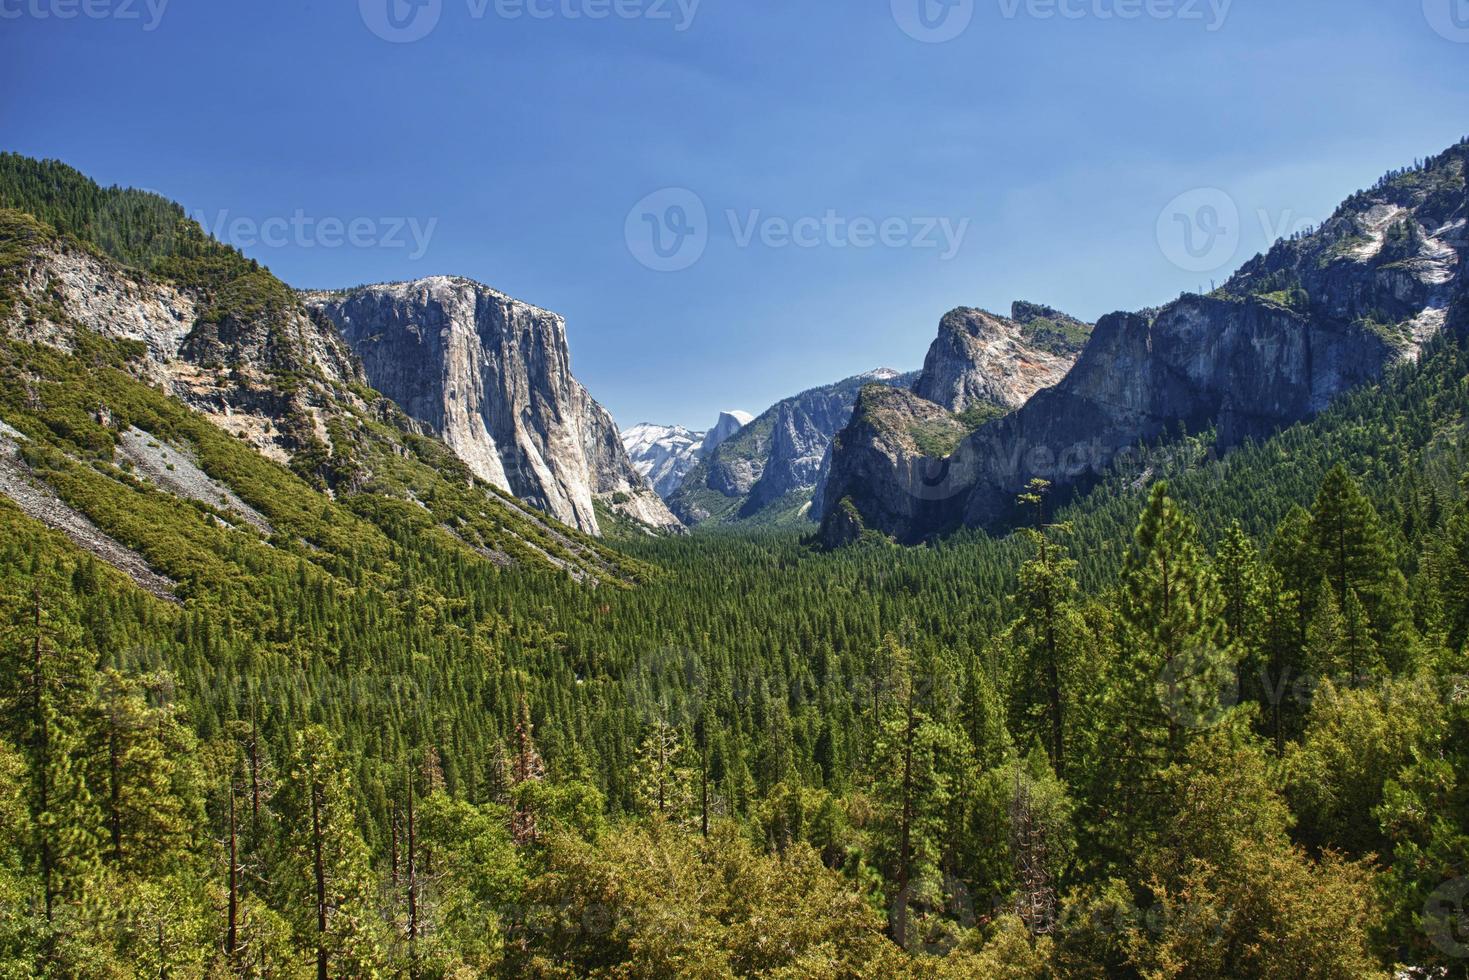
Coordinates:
x,y
1175,677
328,880
1049,633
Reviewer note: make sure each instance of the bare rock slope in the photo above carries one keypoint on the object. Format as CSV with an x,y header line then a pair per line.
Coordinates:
x,y
491,376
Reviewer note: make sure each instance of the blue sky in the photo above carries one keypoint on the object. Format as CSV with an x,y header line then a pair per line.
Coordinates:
x,y
1056,135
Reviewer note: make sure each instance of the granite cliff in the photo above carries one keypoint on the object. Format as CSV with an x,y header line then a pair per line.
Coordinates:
x,y
491,376
1319,314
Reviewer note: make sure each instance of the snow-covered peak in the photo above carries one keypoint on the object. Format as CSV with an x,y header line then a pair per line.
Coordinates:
x,y
662,453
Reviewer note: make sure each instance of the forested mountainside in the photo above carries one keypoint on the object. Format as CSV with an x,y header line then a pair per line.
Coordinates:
x,y
1207,719
1320,314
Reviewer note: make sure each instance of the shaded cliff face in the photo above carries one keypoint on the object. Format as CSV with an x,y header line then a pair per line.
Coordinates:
x,y
769,470
492,377
1292,330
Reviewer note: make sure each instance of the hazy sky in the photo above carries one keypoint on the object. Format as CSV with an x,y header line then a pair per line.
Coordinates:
x,y
824,179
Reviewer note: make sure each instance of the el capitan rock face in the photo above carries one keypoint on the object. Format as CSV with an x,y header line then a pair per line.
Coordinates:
x,y
1317,316
491,376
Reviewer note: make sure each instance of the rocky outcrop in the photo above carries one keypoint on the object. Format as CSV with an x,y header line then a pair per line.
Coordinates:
x,y
892,460
491,376
983,359
1317,316
884,474
729,423
270,377
777,460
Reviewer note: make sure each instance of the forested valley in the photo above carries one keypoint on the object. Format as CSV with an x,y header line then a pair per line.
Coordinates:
x,y
1209,718
1213,726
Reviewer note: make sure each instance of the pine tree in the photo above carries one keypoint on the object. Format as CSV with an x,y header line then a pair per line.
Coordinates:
x,y
144,760
1237,566
662,781
1350,551
917,764
526,769
328,879
1048,630
46,687
1175,678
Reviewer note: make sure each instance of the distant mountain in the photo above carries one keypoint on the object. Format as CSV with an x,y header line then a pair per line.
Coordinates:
x,y
665,454
768,470
1319,314
491,376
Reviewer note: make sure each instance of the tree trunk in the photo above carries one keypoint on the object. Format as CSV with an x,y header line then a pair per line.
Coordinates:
x,y
905,833
319,869
412,889
231,935
43,757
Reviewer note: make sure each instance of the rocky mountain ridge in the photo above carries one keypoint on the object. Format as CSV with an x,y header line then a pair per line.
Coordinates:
x,y
1316,316
153,361
664,454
